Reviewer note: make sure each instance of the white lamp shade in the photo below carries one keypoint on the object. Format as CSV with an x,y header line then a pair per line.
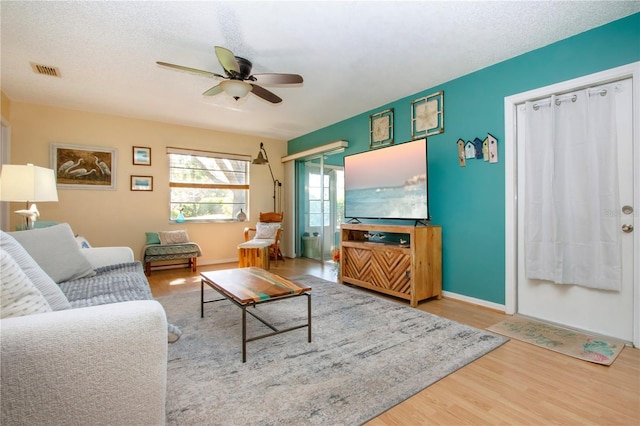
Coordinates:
x,y
236,88
27,183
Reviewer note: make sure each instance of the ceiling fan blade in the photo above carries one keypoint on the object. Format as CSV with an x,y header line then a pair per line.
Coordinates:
x,y
276,78
265,94
213,91
228,60
193,70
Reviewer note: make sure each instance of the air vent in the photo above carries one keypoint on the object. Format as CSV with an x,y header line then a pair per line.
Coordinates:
x,y
45,70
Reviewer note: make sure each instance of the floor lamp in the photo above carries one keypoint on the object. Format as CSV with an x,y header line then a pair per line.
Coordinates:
x,y
27,183
264,159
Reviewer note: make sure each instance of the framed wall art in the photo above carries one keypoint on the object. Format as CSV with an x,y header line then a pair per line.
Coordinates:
x,y
427,115
141,156
381,129
142,183
84,167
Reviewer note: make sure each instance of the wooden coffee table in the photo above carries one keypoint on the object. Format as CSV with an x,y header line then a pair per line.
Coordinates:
x,y
250,287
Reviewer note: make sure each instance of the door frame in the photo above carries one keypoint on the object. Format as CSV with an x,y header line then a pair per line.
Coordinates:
x,y
511,176
5,157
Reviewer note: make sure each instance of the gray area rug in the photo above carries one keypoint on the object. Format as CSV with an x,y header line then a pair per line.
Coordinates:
x,y
367,355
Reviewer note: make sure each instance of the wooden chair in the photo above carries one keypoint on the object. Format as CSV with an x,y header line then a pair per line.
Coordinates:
x,y
269,217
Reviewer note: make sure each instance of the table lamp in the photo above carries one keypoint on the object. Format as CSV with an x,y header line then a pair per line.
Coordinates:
x,y
27,183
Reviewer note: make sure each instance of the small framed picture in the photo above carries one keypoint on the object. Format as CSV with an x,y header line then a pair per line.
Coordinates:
x,y
141,156
142,183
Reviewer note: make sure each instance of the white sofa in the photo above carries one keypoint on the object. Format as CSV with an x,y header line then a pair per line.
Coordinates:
x,y
95,365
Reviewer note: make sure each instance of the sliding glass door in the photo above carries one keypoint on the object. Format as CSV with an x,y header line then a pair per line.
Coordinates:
x,y
321,208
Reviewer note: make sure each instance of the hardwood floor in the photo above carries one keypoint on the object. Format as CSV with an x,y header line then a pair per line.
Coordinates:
x,y
516,384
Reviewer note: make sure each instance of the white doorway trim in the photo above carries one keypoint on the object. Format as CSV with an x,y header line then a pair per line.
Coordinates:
x,y
511,176
291,201
5,157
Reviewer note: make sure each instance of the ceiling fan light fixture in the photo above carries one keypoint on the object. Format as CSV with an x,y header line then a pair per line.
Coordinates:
x,y
236,88
238,71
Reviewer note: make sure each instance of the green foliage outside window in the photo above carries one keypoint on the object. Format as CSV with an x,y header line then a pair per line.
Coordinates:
x,y
208,186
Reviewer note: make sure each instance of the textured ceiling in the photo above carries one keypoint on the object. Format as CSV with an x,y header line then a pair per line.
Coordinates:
x,y
354,56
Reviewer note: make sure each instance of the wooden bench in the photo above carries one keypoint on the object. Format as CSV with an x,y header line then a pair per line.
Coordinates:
x,y
171,252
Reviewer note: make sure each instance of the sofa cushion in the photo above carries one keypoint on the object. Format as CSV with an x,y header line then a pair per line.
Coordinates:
x,y
111,284
56,251
173,237
43,282
18,295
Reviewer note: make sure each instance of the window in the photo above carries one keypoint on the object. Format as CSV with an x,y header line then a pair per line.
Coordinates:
x,y
319,195
207,186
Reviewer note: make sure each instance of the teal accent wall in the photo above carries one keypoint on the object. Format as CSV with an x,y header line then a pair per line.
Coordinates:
x,y
469,202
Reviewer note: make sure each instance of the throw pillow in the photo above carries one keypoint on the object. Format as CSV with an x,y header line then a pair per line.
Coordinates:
x,y
56,251
49,289
152,238
266,231
18,295
173,237
82,242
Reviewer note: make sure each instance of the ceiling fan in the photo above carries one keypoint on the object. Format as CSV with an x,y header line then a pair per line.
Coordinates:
x,y
239,81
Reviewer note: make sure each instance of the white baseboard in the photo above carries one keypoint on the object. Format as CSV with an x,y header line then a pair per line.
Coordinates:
x,y
474,301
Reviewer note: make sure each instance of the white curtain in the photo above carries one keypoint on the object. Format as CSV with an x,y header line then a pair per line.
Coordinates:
x,y
572,224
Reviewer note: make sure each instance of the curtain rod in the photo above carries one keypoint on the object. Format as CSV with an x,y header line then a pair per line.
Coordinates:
x,y
573,98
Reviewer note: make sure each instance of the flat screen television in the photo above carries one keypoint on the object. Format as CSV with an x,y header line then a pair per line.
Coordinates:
x,y
388,183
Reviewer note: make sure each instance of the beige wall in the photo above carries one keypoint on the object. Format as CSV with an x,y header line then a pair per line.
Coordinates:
x,y
5,106
121,217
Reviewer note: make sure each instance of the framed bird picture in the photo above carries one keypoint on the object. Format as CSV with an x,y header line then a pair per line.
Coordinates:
x,y
84,167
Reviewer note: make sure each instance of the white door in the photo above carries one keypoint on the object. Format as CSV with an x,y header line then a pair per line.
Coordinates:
x,y
610,313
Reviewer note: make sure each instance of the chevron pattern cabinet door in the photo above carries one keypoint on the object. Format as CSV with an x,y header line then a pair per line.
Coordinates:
x,y
391,271
357,263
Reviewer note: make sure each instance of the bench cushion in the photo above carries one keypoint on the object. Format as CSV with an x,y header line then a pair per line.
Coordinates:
x,y
171,251
256,244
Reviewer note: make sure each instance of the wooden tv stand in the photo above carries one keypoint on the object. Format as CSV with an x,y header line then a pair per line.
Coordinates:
x,y
411,271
